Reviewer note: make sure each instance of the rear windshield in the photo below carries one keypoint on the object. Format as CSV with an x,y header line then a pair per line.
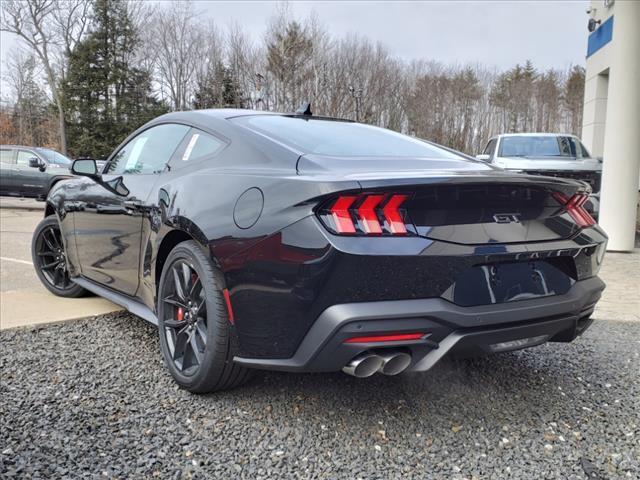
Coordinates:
x,y
329,137
542,146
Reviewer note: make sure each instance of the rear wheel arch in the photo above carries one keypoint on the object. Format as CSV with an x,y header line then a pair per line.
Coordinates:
x,y
170,241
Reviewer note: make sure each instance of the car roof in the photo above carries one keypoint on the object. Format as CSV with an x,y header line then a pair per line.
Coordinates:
x,y
22,146
534,134
228,113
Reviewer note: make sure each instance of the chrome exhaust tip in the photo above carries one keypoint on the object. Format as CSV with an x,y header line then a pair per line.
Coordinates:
x,y
363,366
394,362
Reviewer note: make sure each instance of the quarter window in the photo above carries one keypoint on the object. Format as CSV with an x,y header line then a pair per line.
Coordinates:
x,y
149,152
200,145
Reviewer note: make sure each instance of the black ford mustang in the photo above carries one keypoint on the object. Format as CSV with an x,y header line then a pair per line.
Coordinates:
x,y
301,243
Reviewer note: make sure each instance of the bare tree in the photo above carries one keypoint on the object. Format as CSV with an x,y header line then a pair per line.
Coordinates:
x,y
51,28
28,98
179,46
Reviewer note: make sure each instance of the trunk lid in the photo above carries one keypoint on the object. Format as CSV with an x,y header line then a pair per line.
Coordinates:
x,y
462,202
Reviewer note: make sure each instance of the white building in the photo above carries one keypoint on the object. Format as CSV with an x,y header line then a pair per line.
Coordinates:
x,y
611,125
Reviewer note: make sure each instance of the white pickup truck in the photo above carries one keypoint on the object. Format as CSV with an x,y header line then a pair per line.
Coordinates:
x,y
549,154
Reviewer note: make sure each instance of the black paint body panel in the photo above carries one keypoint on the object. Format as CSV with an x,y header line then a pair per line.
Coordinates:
x,y
253,209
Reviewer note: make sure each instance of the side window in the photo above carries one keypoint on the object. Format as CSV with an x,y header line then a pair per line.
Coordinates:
x,y
23,157
149,152
490,148
197,146
6,156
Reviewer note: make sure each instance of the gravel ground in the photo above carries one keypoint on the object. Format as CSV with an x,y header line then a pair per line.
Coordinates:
x,y
92,399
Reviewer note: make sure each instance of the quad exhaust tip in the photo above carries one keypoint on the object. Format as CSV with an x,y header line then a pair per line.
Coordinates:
x,y
364,365
394,363
387,362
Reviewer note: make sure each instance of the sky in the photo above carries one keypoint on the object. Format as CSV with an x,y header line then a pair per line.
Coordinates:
x,y
552,34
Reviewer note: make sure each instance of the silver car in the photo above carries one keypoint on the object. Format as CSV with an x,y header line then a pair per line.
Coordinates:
x,y
549,154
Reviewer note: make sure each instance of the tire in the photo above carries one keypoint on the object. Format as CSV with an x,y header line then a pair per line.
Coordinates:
x,y
50,262
193,324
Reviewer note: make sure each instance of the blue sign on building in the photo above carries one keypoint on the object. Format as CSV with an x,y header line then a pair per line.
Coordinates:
x,y
600,37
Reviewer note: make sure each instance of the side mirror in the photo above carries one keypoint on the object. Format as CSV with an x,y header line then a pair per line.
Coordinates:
x,y
483,157
85,167
35,162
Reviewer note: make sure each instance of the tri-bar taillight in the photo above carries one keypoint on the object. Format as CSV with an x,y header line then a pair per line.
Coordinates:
x,y
575,208
366,214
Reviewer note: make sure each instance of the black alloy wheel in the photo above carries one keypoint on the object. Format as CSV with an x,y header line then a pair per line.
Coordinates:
x,y
196,337
50,259
185,317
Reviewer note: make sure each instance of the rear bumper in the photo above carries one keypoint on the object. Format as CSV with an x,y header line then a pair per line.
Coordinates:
x,y
448,328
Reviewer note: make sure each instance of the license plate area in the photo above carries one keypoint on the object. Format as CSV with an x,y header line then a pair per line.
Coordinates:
x,y
508,282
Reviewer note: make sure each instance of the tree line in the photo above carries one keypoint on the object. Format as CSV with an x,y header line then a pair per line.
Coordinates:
x,y
91,71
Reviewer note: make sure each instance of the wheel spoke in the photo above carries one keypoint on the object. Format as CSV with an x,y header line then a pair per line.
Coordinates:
x,y
196,348
195,284
202,331
180,345
47,266
173,324
178,284
173,301
170,335
57,242
57,276
186,277
200,305
47,241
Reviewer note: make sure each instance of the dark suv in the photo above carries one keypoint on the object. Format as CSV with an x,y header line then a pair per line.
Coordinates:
x,y
31,171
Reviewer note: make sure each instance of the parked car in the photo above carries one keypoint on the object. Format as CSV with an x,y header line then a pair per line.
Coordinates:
x,y
549,154
31,171
291,242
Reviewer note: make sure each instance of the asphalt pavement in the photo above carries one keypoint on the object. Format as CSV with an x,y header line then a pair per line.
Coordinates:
x,y
23,299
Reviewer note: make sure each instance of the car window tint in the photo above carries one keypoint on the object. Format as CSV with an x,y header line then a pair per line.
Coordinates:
x,y
340,138
200,145
537,146
6,156
149,152
23,157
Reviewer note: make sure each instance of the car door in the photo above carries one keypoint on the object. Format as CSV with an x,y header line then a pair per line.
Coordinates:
x,y
30,180
7,171
108,216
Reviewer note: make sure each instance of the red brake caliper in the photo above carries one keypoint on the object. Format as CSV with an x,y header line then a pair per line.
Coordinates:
x,y
180,314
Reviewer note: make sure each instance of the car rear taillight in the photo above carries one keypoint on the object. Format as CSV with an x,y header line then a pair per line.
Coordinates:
x,y
366,214
575,208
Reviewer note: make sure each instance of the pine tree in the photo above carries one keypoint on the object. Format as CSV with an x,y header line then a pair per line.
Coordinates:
x,y
218,89
107,97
